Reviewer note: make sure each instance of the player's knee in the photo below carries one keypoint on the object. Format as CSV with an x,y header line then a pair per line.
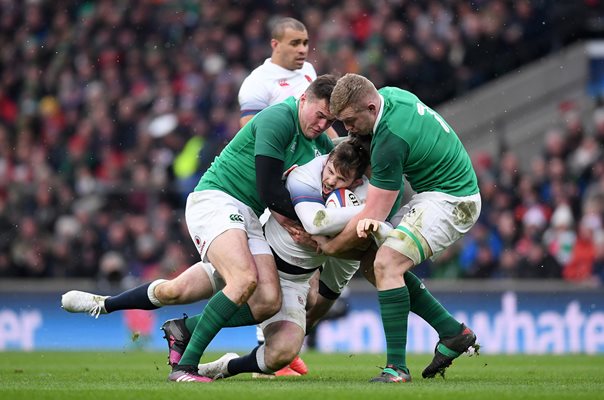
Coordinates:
x,y
244,283
267,305
279,355
170,292
380,267
385,269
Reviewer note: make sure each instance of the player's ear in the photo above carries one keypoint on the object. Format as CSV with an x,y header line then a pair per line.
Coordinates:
x,y
356,183
274,43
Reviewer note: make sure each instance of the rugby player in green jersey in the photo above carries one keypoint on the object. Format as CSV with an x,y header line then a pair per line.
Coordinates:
x,y
408,139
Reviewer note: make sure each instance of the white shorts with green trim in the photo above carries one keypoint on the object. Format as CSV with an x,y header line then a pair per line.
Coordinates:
x,y
431,222
210,213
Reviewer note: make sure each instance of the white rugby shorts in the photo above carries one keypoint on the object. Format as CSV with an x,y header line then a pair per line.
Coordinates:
x,y
294,289
431,222
337,272
211,212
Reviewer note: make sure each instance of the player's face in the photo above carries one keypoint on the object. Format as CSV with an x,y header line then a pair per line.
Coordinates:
x,y
314,116
359,122
291,51
332,179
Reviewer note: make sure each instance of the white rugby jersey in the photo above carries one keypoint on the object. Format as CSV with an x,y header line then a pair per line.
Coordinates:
x,y
304,184
270,83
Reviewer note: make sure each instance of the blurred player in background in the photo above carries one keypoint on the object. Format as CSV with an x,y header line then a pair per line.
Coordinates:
x,y
286,73
409,138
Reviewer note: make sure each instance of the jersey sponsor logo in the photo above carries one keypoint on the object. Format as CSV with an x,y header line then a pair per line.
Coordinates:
x,y
308,78
236,218
283,83
300,300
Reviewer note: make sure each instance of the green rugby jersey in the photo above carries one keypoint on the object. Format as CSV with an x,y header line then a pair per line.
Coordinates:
x,y
411,139
274,132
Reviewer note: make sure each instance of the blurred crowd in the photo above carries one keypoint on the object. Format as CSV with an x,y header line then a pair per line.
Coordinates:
x,y
542,221
111,110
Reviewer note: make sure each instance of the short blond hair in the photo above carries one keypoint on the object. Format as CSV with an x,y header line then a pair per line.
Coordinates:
x,y
351,90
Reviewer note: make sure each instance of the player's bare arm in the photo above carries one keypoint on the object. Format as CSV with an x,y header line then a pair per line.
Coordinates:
x,y
378,206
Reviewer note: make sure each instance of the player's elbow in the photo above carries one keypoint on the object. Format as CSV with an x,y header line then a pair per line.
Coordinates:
x,y
313,230
318,224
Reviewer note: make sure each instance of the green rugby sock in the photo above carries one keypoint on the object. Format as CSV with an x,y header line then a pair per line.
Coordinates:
x,y
394,309
429,309
213,318
242,317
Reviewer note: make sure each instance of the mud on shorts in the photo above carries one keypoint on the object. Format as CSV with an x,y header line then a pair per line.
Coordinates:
x,y
431,222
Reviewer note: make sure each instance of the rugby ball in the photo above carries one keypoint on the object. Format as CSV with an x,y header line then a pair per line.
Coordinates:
x,y
341,198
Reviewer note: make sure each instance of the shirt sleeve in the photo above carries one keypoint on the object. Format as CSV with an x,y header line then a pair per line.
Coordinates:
x,y
274,132
253,96
388,153
310,208
270,187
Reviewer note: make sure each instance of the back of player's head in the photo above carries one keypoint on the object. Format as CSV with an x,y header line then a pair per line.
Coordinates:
x,y
279,27
351,90
351,157
321,88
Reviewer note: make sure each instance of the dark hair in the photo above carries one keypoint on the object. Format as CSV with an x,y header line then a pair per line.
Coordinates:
x,y
350,157
282,24
321,88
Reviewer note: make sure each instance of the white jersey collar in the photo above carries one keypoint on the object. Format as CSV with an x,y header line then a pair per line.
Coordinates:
x,y
270,64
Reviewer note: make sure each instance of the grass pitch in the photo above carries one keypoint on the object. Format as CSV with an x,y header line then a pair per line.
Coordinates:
x,y
142,376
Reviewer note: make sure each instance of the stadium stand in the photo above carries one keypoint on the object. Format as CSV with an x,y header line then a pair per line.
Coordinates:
x,y
110,111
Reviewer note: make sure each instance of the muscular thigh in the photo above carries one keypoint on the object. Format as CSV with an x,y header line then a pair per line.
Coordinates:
x,y
267,270
281,335
194,284
230,255
268,290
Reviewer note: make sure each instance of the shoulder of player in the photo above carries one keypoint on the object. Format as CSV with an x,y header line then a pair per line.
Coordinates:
x,y
254,80
280,115
307,175
309,69
396,97
311,167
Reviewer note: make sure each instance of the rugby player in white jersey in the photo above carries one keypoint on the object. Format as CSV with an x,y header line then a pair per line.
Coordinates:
x,y
308,186
286,73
